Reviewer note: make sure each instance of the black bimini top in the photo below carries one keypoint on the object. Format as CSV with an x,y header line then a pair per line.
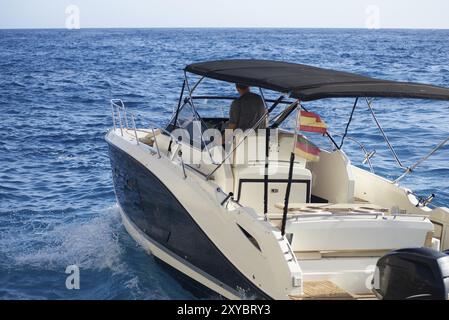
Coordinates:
x,y
309,83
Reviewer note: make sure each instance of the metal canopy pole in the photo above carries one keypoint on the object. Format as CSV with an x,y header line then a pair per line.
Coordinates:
x,y
276,103
384,135
287,192
179,102
175,119
290,177
286,113
349,122
327,132
407,169
417,163
190,91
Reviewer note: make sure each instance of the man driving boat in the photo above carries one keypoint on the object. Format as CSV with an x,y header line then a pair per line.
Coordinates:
x,y
246,110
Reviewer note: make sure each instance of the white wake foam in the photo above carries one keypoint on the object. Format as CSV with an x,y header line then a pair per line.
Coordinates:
x,y
89,244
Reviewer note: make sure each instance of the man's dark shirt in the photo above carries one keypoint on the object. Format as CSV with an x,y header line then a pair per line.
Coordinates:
x,y
246,111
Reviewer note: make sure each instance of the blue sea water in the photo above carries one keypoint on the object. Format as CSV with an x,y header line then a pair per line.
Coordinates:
x,y
57,205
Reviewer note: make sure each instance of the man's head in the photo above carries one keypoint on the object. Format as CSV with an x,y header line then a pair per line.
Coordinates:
x,y
242,88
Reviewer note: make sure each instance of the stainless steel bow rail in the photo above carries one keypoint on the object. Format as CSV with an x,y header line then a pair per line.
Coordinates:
x,y
120,113
118,107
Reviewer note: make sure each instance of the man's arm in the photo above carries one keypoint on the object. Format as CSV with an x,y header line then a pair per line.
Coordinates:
x,y
232,126
234,115
263,111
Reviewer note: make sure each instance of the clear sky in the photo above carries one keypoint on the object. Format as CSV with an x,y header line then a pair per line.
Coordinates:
x,y
226,13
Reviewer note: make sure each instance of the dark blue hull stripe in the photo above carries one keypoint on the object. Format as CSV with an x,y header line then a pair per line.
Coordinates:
x,y
199,290
156,212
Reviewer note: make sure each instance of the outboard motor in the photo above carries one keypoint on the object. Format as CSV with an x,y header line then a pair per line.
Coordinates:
x,y
420,273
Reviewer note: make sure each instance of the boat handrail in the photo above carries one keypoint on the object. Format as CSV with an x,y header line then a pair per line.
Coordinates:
x,y
368,154
331,215
117,106
407,169
369,103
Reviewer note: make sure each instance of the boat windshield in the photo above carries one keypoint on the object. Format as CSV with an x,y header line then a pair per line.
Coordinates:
x,y
191,125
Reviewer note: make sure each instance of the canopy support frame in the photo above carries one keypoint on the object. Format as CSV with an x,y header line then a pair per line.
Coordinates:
x,y
175,118
421,160
395,156
290,173
349,122
190,101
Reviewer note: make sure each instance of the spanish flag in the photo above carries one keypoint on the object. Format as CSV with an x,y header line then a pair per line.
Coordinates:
x,y
306,149
311,122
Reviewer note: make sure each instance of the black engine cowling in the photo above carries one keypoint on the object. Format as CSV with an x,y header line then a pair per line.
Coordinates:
x,y
418,273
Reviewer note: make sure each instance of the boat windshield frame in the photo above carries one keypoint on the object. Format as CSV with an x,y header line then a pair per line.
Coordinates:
x,y
189,99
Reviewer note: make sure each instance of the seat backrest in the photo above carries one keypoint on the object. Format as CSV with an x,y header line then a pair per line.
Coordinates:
x,y
249,185
252,148
333,179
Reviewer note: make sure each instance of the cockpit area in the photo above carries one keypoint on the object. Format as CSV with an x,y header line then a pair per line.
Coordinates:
x,y
250,159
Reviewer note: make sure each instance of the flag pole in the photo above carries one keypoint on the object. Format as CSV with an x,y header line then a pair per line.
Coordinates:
x,y
290,173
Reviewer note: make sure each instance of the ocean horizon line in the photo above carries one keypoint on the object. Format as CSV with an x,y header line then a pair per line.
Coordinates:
x,y
224,28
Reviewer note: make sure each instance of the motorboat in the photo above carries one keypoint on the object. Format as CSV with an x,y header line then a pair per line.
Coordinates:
x,y
247,220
